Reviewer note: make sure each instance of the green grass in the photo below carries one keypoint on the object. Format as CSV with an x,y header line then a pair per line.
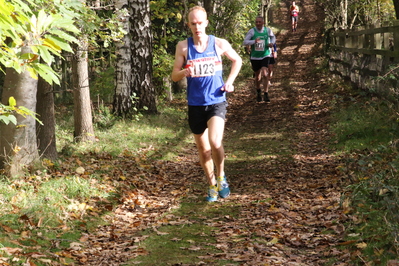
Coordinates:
x,y
45,201
167,130
375,207
366,133
41,214
192,240
51,207
364,125
43,209
178,245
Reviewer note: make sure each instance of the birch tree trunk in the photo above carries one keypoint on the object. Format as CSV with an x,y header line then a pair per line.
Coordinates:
x,y
141,49
83,120
344,13
266,5
123,104
134,90
18,146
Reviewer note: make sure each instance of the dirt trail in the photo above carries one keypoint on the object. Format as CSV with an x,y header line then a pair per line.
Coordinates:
x,y
304,187
288,205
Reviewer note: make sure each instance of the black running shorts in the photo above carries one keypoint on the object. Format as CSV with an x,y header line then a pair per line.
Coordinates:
x,y
198,116
258,64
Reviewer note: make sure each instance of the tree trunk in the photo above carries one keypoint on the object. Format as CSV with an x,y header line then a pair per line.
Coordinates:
x,y
208,5
123,104
266,4
141,49
45,109
2,76
81,94
344,14
396,5
18,146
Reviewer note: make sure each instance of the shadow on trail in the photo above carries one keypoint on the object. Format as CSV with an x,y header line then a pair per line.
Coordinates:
x,y
284,182
280,168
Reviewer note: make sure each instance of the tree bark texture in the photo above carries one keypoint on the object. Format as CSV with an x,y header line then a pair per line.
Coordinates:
x,y
123,69
46,140
266,5
208,5
83,120
141,49
396,5
344,14
18,146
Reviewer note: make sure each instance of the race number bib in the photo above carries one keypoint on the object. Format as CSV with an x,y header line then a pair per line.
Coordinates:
x,y
203,67
260,46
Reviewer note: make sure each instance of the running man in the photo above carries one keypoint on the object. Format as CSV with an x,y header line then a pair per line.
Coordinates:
x,y
199,58
261,39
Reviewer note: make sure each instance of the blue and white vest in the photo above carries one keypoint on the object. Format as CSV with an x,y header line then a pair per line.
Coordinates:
x,y
204,87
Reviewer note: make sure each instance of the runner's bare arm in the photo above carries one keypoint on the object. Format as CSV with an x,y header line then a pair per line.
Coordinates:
x,y
180,58
226,49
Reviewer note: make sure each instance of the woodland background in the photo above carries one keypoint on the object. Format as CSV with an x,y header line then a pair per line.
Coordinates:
x,y
93,141
117,53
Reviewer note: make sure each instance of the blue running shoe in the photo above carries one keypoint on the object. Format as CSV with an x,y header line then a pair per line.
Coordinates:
x,y
223,187
212,194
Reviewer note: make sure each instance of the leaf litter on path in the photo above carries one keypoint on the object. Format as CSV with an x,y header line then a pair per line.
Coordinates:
x,y
287,207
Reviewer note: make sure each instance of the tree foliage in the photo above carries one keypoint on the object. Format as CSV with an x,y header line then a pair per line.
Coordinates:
x,y
7,112
232,19
167,25
47,34
351,13
34,25
229,19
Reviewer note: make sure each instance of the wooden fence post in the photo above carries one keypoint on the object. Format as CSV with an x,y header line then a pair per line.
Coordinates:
x,y
396,41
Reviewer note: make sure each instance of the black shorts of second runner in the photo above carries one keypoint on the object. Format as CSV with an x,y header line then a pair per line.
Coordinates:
x,y
294,18
272,61
258,64
198,116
